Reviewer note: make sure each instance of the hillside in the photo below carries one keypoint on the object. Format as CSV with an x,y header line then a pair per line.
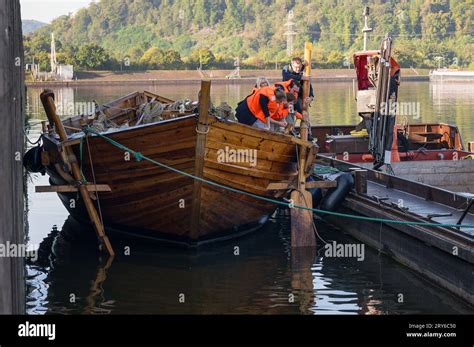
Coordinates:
x,y
137,34
29,25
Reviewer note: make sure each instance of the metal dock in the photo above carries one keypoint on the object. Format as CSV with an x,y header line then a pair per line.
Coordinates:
x,y
444,254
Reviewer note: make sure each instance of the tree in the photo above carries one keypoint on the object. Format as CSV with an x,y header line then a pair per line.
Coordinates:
x,y
203,56
335,59
92,56
171,59
152,58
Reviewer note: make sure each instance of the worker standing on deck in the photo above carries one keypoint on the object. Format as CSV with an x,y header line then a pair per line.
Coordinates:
x,y
257,109
294,71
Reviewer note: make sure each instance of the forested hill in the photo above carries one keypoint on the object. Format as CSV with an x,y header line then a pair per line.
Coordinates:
x,y
28,25
177,34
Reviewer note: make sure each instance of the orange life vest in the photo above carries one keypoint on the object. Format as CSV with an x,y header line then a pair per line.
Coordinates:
x,y
283,112
253,102
286,87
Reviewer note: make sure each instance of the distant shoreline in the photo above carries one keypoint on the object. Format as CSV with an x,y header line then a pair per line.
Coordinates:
x,y
180,77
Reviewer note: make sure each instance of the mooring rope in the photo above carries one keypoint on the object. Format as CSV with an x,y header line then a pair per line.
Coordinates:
x,y
139,156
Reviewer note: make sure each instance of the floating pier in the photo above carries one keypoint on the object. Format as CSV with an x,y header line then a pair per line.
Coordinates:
x,y
423,234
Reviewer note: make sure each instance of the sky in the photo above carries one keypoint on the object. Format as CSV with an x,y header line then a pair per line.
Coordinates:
x,y
46,10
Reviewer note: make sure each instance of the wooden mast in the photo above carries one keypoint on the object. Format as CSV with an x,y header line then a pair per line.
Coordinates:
x,y
302,233
47,98
201,129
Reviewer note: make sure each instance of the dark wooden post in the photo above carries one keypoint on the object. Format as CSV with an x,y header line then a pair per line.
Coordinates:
x,y
12,97
302,229
360,181
201,129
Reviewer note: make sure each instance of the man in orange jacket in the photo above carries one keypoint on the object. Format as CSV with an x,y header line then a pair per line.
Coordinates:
x,y
258,108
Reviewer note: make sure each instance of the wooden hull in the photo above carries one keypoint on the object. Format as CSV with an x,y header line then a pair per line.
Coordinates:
x,y
155,202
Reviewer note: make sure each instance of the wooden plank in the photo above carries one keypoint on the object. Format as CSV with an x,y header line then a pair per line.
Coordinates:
x,y
68,188
201,129
261,142
227,167
309,185
252,132
160,98
12,291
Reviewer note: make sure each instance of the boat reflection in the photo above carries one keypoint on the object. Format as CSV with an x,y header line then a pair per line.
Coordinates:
x,y
257,274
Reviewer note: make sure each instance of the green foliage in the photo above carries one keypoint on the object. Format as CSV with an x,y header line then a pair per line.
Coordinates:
x,y
91,56
202,56
254,31
155,58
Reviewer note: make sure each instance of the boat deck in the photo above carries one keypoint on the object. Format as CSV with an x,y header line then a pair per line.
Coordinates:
x,y
420,206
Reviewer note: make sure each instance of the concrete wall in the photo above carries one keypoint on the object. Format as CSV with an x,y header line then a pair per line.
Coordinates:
x,y
12,98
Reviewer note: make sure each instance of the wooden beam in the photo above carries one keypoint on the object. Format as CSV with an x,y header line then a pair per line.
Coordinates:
x,y
12,97
313,151
201,129
70,189
302,224
70,142
47,98
300,142
309,185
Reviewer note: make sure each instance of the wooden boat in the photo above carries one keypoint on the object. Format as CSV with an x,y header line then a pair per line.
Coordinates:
x,y
430,153
141,198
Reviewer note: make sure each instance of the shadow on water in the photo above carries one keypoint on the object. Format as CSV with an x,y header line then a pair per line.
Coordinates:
x,y
257,274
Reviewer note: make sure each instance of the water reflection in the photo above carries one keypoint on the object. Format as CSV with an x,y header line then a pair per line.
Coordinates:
x,y
265,277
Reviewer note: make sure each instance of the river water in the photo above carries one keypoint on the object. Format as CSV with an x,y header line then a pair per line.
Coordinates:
x,y
256,274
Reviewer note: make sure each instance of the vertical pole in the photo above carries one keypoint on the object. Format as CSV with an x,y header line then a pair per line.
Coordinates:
x,y
201,129
12,97
302,232
366,28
